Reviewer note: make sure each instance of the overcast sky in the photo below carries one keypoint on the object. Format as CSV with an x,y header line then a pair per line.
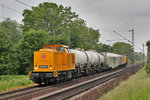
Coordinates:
x,y
105,15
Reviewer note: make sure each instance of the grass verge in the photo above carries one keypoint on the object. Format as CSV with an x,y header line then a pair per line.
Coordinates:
x,y
137,87
12,82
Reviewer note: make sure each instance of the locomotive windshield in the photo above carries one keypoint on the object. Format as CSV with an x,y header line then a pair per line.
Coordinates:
x,y
61,49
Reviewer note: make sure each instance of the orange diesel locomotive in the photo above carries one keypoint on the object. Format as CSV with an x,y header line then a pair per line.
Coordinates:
x,y
51,62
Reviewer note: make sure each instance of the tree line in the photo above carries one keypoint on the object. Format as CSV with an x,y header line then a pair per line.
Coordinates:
x,y
48,23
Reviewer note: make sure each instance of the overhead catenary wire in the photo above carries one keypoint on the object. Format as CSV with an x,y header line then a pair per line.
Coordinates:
x,y
10,8
115,40
23,3
122,36
138,48
127,40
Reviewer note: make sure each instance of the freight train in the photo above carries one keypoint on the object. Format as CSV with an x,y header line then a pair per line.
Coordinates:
x,y
56,63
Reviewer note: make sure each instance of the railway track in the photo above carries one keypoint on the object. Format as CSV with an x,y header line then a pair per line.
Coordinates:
x,y
63,90
75,90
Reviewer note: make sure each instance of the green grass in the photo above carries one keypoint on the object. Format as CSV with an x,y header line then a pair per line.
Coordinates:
x,y
137,87
11,82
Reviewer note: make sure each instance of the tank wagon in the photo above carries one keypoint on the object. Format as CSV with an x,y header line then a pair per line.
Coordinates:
x,y
114,60
56,63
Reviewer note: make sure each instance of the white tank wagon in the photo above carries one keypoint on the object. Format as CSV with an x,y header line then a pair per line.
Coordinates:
x,y
80,58
102,59
93,58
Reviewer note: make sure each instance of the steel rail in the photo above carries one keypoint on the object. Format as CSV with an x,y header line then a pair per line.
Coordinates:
x,y
19,90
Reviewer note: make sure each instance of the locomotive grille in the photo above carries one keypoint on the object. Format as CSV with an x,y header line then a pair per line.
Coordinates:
x,y
43,66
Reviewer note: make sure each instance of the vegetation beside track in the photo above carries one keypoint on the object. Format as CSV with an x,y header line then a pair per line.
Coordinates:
x,y
12,82
135,88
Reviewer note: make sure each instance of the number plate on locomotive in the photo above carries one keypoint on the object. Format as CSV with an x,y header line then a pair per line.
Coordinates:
x,y
43,66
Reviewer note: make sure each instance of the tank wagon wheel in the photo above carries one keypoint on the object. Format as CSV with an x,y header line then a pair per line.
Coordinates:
x,y
75,74
86,71
64,78
78,74
52,81
69,76
57,80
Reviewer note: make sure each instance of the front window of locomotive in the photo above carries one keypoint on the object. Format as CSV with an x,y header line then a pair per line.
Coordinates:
x,y
61,49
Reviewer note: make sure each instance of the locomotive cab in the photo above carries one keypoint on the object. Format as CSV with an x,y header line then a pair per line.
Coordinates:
x,y
51,62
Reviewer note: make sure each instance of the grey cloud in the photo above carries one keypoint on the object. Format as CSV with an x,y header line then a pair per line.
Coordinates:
x,y
106,15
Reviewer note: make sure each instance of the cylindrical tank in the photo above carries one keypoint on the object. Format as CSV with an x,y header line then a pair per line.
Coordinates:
x,y
93,58
102,59
80,58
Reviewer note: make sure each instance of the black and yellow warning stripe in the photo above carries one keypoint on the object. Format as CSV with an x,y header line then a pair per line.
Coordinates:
x,y
55,74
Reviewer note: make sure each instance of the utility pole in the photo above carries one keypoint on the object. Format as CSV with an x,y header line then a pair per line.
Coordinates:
x,y
143,52
132,56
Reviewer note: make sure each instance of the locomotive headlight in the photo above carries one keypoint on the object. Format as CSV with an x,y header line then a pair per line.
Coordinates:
x,y
36,68
50,68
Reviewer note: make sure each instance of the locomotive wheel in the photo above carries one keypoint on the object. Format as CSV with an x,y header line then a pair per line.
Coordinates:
x,y
51,81
40,83
58,80
61,78
46,82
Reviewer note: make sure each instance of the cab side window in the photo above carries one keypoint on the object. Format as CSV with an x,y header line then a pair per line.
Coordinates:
x,y
67,50
61,49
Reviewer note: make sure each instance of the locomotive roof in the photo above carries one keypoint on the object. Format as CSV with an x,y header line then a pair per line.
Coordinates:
x,y
56,45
